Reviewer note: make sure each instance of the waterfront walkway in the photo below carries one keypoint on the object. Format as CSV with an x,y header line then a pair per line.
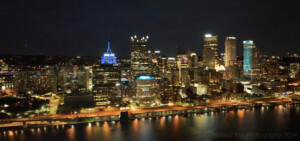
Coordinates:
x,y
62,119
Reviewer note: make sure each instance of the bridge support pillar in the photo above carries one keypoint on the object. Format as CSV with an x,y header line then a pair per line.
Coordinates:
x,y
25,124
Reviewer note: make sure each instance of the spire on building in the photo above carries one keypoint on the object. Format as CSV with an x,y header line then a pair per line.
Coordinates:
x,y
108,48
109,57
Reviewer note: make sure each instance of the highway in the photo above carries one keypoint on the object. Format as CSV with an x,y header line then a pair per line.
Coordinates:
x,y
170,108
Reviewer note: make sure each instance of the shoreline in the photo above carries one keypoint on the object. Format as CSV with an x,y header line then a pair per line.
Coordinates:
x,y
132,115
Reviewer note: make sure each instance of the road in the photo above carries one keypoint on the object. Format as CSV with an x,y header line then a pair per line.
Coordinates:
x,y
117,112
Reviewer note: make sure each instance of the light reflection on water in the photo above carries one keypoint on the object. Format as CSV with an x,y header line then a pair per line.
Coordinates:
x,y
106,131
70,133
162,122
192,127
88,132
176,124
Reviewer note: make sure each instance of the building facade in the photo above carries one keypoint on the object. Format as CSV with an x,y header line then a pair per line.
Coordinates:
x,y
106,84
139,56
210,50
230,51
146,90
251,60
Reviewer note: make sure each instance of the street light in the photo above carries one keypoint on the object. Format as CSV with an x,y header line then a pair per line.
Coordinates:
x,y
76,114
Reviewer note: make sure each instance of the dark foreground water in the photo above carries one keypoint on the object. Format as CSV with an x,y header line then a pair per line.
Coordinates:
x,y
273,123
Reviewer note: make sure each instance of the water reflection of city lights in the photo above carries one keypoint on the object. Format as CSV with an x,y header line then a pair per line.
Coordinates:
x,y
32,130
70,132
162,122
176,124
88,132
135,125
10,133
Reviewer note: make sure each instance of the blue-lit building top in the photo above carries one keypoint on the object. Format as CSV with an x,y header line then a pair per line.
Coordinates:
x,y
145,77
109,57
248,49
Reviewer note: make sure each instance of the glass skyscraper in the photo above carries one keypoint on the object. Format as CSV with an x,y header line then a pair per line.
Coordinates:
x,y
249,46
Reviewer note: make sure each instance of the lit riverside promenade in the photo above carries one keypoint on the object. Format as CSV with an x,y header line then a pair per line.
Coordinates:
x,y
58,117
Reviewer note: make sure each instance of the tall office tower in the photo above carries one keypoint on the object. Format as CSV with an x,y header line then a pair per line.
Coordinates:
x,y
194,60
139,56
256,68
210,50
84,75
106,84
165,91
193,68
146,90
154,59
109,57
172,71
230,51
251,64
182,60
162,65
154,56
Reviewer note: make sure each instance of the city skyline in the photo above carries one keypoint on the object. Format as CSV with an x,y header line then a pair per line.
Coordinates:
x,y
49,28
144,70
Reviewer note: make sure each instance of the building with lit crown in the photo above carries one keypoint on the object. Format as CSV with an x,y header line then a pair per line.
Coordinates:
x,y
210,50
146,90
139,56
109,57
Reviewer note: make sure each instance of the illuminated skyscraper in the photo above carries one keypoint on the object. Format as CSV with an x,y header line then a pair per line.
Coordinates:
x,y
155,61
106,84
251,64
154,56
230,51
194,60
109,57
139,56
210,50
146,91
182,60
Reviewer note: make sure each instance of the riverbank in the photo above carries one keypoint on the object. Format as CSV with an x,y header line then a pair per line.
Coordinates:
x,y
108,116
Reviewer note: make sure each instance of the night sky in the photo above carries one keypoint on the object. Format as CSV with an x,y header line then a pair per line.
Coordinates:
x,y
63,27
